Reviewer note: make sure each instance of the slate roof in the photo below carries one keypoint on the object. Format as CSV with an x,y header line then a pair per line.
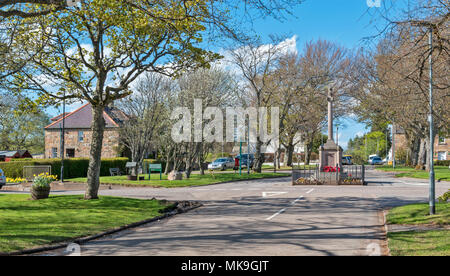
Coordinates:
x,y
11,153
82,118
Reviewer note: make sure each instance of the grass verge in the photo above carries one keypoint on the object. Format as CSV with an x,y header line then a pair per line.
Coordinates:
x,y
194,180
417,214
26,224
419,243
425,243
441,172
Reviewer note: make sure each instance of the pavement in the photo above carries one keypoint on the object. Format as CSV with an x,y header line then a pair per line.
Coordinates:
x,y
267,217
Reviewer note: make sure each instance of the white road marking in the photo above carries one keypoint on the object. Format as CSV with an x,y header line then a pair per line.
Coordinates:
x,y
284,209
417,184
310,191
269,194
276,214
295,201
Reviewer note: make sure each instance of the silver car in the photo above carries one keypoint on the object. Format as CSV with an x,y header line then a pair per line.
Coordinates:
x,y
2,179
221,164
376,161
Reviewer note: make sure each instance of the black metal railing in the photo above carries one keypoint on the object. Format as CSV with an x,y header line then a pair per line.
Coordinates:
x,y
313,175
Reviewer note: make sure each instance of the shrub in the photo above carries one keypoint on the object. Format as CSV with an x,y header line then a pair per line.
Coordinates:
x,y
74,167
445,163
444,198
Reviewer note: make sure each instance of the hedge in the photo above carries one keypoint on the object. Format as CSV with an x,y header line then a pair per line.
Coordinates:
x,y
442,163
74,167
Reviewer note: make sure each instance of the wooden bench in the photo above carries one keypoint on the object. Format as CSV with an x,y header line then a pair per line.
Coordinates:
x,y
115,172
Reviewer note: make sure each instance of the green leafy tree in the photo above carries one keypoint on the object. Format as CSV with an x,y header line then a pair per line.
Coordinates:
x,y
95,52
21,129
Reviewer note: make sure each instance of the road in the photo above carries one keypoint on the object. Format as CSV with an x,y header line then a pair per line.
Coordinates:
x,y
268,217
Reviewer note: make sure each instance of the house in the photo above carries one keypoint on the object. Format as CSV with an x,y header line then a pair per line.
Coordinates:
x,y
78,134
442,147
6,156
441,144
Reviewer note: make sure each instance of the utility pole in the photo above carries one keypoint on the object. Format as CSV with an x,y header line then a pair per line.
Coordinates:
x,y
431,157
63,135
248,146
393,145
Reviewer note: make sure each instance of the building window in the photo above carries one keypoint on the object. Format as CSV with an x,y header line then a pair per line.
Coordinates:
x,y
442,155
70,153
441,140
80,136
54,152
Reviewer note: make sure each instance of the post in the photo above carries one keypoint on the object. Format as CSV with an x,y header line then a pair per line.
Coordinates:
x,y
393,145
432,184
248,146
63,135
240,158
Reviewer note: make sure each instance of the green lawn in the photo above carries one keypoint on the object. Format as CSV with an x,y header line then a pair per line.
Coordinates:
x,y
441,172
426,243
282,168
194,180
25,223
413,243
418,214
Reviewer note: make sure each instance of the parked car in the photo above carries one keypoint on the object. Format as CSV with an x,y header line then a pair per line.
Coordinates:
x,y
2,179
245,158
222,164
376,161
347,160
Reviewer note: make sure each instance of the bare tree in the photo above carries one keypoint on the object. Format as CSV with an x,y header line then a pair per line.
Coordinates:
x,y
215,88
146,110
257,62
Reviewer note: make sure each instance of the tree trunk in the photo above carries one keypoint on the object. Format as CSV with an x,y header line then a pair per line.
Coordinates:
x,y
275,156
415,148
285,157
290,154
93,175
279,157
308,153
168,160
422,153
259,157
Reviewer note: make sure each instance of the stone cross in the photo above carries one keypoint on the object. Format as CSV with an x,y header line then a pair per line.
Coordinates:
x,y
330,113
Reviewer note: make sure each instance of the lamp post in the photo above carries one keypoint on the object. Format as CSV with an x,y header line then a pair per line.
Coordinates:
x,y
431,157
62,136
248,146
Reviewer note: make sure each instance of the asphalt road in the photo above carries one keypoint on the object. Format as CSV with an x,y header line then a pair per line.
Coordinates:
x,y
268,217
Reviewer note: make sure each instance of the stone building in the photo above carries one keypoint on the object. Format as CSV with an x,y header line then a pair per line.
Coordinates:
x,y
78,134
441,144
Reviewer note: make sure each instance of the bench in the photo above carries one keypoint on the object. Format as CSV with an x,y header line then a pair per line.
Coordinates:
x,y
115,172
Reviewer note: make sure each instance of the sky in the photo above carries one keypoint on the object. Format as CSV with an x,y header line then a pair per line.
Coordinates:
x,y
346,22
